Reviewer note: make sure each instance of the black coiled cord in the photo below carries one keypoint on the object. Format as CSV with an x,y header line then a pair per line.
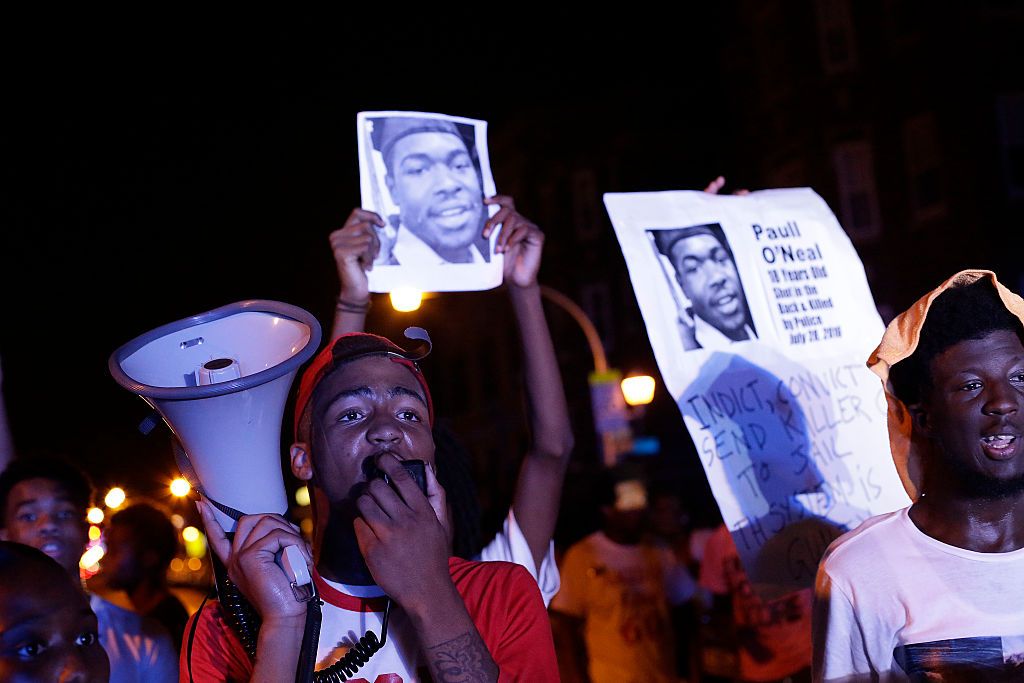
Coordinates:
x,y
239,612
358,655
245,622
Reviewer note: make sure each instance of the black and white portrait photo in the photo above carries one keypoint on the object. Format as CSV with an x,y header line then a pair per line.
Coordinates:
x,y
699,266
427,176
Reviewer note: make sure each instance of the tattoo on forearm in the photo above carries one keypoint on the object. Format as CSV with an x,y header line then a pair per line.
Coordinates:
x,y
463,659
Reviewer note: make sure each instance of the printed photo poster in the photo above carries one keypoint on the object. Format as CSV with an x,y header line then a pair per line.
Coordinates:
x,y
761,321
427,176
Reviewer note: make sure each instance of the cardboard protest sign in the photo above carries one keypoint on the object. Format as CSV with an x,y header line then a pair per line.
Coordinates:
x,y
761,321
427,176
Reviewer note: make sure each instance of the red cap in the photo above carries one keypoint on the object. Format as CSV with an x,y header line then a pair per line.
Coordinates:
x,y
349,347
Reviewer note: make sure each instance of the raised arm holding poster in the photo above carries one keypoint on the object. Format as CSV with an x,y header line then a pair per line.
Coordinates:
x,y
427,176
761,321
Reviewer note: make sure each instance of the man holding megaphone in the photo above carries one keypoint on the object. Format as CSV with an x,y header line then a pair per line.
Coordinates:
x,y
363,408
525,536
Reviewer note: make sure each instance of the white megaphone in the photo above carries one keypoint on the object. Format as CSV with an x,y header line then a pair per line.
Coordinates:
x,y
220,380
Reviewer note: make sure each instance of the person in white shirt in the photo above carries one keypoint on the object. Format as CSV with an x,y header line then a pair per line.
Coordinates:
x,y
706,272
934,591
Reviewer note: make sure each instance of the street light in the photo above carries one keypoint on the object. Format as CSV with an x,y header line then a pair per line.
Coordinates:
x,y
115,498
180,488
406,299
91,557
638,390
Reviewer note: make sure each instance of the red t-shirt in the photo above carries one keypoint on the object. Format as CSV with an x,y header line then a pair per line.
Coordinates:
x,y
502,599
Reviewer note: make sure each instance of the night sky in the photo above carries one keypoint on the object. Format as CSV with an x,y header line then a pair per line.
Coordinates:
x,y
157,172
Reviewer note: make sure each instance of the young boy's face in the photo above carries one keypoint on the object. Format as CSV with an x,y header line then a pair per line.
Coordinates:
x,y
47,630
40,514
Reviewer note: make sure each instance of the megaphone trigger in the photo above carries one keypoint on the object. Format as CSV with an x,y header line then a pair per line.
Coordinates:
x,y
294,565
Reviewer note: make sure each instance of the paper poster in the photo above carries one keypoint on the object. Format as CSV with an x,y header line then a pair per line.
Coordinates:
x,y
761,321
427,175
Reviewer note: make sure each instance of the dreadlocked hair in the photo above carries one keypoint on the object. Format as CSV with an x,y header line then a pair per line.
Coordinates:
x,y
456,478
969,312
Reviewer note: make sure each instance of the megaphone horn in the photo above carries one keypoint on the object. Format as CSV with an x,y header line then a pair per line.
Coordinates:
x,y
220,380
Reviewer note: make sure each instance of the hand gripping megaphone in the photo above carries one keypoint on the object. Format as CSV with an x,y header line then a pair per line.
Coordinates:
x,y
220,380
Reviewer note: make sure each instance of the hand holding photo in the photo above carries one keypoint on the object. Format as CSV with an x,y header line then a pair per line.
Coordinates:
x,y
760,317
427,176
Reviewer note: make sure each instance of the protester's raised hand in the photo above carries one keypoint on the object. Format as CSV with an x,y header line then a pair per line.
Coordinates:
x,y
250,559
355,245
519,239
401,536
718,183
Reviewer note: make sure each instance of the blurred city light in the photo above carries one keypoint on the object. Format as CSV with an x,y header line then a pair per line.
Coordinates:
x,y
302,496
180,488
638,390
178,521
406,299
115,498
94,533
177,564
95,516
91,557
195,541
195,564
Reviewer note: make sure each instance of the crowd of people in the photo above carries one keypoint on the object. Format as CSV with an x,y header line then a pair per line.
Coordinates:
x,y
408,589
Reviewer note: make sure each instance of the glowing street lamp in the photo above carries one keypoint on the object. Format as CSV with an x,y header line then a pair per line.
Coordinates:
x,y
91,557
115,498
638,390
180,488
406,299
195,541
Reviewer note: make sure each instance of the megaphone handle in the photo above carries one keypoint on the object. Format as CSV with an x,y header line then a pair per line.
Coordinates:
x,y
294,565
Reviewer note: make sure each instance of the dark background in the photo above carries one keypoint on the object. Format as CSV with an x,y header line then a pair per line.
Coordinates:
x,y
153,169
